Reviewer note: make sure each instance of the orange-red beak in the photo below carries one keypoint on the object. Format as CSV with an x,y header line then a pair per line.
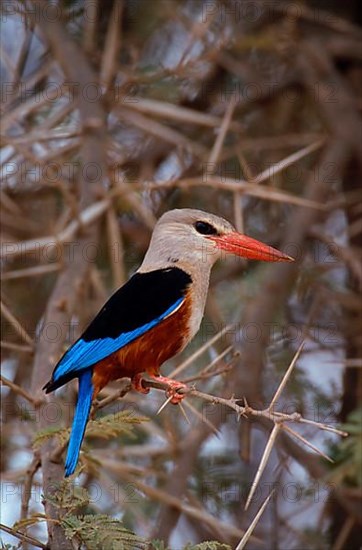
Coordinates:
x,y
249,248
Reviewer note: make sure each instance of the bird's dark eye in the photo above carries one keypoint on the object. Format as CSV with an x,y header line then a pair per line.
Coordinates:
x,y
205,228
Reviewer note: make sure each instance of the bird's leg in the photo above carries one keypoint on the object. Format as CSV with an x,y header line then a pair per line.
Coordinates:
x,y
137,385
173,387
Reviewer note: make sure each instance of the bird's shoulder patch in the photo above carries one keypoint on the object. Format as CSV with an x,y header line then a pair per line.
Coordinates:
x,y
145,297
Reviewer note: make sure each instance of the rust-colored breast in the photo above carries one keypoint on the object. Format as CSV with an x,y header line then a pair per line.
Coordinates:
x,y
148,352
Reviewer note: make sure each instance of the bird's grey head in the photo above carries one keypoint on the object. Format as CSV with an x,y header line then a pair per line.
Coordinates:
x,y
185,236
194,240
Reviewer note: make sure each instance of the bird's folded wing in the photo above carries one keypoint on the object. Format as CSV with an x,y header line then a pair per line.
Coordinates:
x,y
141,304
84,354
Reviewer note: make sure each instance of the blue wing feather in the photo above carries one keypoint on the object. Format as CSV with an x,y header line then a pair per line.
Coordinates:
x,y
83,354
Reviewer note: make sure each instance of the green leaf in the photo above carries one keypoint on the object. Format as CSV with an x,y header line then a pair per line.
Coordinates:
x,y
68,497
347,454
158,545
43,435
114,425
208,545
105,427
28,522
101,531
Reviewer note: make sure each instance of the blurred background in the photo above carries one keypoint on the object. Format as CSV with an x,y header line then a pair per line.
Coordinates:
x,y
113,113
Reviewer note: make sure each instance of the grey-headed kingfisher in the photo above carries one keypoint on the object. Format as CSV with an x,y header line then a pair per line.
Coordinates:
x,y
155,314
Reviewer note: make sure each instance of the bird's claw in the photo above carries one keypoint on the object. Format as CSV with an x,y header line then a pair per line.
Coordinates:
x,y
176,397
137,385
173,389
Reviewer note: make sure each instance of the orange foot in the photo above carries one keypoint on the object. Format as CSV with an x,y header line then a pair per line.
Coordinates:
x,y
173,387
137,384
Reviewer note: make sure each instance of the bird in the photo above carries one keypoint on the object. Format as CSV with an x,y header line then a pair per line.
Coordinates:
x,y
154,315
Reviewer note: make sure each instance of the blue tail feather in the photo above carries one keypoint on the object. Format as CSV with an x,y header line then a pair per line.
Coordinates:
x,y
80,420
